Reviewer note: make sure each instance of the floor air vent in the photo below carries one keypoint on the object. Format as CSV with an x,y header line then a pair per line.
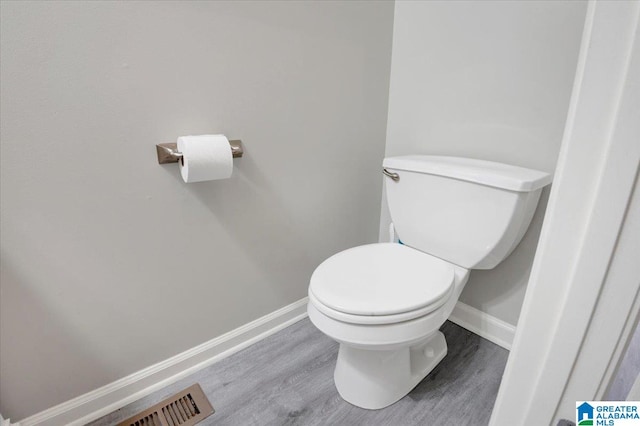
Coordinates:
x,y
185,408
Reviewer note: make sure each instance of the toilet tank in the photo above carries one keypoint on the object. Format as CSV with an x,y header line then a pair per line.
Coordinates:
x,y
469,212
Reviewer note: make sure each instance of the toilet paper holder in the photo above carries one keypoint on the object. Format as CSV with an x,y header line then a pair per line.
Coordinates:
x,y
168,152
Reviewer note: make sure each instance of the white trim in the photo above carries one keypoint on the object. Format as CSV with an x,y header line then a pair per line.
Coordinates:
x,y
104,400
484,325
596,170
7,422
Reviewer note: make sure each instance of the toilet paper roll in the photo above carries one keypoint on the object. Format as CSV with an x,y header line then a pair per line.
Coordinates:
x,y
205,157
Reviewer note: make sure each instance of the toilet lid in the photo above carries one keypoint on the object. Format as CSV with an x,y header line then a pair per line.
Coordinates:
x,y
381,279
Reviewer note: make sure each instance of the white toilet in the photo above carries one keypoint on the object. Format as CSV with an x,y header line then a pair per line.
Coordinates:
x,y
384,303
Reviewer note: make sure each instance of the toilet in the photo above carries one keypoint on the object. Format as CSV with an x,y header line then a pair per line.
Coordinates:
x,y
384,303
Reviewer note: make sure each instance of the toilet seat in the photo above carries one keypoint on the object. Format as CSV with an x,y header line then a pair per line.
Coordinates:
x,y
381,284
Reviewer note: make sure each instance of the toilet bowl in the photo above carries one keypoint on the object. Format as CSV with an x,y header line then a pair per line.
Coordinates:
x,y
388,335
384,303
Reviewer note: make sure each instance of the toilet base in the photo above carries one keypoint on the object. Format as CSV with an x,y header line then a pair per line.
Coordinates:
x,y
375,379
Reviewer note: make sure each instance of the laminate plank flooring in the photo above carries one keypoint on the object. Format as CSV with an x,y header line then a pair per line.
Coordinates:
x,y
287,379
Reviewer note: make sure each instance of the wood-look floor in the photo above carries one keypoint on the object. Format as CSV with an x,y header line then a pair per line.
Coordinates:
x,y
287,379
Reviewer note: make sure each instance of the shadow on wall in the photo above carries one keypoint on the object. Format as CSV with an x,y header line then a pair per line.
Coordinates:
x,y
274,243
41,340
511,276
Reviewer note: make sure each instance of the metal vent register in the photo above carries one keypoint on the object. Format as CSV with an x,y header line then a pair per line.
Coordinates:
x,y
185,408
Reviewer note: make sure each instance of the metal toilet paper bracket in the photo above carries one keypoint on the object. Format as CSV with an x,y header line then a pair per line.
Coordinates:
x,y
168,152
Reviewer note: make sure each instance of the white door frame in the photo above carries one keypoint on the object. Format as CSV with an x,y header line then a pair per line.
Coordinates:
x,y
569,301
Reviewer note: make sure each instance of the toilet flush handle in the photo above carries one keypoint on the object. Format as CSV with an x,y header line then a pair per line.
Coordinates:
x,y
394,176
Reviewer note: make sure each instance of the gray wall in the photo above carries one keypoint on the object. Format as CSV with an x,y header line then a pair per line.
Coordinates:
x,y
628,371
488,80
110,263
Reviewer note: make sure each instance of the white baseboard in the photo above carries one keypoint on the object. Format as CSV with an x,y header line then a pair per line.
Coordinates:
x,y
7,422
483,324
106,399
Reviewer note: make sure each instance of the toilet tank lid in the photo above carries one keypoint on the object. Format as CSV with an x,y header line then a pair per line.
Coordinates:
x,y
483,172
